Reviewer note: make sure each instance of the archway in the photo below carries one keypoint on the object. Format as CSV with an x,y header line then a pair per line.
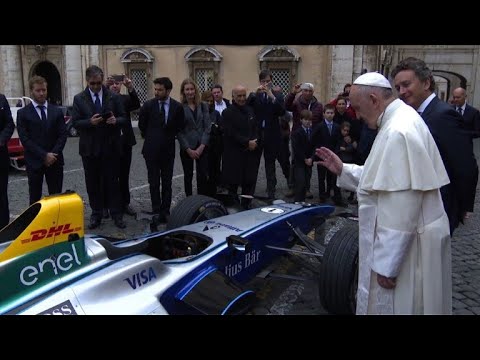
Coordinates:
x,y
49,71
453,79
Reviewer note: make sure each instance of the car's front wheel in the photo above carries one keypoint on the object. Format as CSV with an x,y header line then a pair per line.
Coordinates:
x,y
194,209
339,272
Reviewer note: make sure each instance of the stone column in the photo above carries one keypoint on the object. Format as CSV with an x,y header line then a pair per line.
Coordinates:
x,y
94,56
474,95
342,67
11,69
74,74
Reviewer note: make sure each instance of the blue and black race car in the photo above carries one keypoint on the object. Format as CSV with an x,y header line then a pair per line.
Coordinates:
x,y
200,265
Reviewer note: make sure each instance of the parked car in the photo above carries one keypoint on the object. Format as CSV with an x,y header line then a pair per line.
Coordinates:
x,y
200,268
67,114
15,147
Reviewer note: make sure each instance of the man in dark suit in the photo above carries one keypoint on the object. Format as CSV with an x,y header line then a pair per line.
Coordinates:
x,y
130,102
268,107
42,131
471,116
160,120
6,130
98,115
415,85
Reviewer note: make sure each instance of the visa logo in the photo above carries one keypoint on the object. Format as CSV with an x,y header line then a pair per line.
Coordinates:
x,y
141,278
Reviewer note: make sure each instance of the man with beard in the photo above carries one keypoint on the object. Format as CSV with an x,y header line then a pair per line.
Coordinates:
x,y
160,120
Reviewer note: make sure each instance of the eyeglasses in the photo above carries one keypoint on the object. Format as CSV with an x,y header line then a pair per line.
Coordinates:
x,y
92,83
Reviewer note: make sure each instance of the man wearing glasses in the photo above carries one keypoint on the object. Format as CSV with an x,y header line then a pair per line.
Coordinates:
x,y
98,115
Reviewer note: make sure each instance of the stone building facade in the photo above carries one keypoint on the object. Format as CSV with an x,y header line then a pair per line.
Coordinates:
x,y
328,67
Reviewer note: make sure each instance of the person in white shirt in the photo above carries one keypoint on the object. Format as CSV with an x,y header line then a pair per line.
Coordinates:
x,y
405,262
220,102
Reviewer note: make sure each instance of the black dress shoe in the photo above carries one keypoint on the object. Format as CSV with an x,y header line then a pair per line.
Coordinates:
x,y
106,214
94,223
129,211
119,223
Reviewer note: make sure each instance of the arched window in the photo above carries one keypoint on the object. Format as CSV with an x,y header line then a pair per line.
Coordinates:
x,y
203,66
282,62
138,65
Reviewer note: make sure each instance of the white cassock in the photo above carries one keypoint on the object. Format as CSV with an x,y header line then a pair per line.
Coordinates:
x,y
404,231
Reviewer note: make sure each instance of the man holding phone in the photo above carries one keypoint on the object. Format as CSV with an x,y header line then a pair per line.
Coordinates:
x,y
130,102
268,107
98,115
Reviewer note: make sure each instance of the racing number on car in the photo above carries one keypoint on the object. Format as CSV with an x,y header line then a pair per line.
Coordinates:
x,y
272,210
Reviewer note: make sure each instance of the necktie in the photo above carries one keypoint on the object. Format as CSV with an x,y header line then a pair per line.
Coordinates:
x,y
459,109
308,133
42,112
264,98
330,128
98,105
162,112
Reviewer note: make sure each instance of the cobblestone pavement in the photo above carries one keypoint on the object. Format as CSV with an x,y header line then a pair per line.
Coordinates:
x,y
466,259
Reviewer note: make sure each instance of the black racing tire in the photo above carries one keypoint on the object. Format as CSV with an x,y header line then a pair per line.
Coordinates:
x,y
194,209
339,272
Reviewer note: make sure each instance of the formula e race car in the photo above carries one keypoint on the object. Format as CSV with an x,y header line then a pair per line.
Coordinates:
x,y
49,266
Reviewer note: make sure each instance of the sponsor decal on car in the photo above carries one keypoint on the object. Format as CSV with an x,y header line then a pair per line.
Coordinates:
x,y
63,262
212,222
250,258
64,308
48,233
27,273
141,278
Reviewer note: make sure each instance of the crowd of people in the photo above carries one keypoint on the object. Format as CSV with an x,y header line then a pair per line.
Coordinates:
x,y
410,156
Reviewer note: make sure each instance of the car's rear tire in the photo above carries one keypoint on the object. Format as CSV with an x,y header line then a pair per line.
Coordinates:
x,y
194,209
339,272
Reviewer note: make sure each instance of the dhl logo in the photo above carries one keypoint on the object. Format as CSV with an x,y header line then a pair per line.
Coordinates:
x,y
53,231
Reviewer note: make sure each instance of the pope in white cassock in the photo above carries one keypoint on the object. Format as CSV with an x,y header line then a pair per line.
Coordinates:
x,y
405,250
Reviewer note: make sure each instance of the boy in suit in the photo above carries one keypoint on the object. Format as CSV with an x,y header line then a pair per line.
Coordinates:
x,y
302,150
327,134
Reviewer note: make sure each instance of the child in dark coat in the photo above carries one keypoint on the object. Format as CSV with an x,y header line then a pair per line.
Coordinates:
x,y
302,149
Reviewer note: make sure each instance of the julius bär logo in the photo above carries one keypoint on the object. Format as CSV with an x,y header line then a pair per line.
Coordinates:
x,y
48,233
